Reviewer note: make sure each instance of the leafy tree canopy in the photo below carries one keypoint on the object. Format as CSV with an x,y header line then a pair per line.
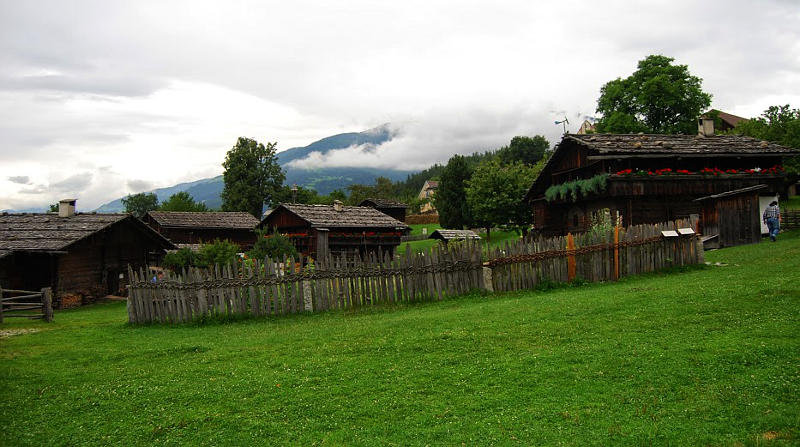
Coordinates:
x,y
252,176
658,97
54,208
495,194
528,150
779,124
140,204
451,197
182,201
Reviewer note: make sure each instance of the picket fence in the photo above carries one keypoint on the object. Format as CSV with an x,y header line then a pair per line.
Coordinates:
x,y
293,285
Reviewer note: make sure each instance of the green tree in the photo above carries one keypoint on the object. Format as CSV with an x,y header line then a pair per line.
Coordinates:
x,y
140,204
303,195
54,208
252,176
272,245
779,124
658,97
528,150
182,201
219,252
495,195
451,196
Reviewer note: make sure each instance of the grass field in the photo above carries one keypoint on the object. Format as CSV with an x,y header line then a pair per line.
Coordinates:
x,y
709,356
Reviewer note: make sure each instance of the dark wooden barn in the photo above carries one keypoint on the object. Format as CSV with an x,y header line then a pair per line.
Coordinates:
x,y
191,228
82,257
338,229
647,178
731,218
388,207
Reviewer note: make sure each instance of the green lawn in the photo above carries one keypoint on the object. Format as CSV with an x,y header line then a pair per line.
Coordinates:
x,y
705,357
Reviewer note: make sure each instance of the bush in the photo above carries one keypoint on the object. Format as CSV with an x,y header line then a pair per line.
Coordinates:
x,y
272,245
217,252
180,259
577,188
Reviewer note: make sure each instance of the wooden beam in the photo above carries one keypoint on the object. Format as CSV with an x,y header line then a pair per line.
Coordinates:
x,y
682,155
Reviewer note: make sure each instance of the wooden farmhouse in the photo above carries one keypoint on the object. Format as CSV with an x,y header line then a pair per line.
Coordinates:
x,y
316,230
388,207
82,257
191,228
648,178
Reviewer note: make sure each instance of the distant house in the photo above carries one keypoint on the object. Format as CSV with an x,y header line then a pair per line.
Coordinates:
x,y
650,178
388,207
82,257
351,230
191,228
427,192
725,121
586,128
453,235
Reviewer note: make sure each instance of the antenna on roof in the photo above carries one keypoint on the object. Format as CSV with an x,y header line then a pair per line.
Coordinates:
x,y
564,123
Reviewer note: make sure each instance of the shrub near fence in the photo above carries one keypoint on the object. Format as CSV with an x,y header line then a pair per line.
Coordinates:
x,y
278,288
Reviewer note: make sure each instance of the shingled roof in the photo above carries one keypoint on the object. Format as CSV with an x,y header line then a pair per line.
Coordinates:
x,y
453,235
226,220
325,216
683,145
51,233
382,203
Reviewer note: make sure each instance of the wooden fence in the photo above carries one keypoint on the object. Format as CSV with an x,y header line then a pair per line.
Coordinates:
x,y
291,286
26,304
278,288
594,257
790,219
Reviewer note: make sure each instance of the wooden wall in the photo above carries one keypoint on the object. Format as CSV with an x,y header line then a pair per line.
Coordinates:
x,y
243,238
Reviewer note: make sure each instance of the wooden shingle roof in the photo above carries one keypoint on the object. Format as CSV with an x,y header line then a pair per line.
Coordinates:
x,y
453,235
655,144
222,220
51,233
325,216
382,203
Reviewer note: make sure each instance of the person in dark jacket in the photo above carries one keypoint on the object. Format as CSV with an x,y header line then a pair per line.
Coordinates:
x,y
772,217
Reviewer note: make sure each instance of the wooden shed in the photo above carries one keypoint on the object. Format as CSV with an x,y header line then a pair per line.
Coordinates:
x,y
321,229
731,218
453,235
82,257
192,228
648,178
388,207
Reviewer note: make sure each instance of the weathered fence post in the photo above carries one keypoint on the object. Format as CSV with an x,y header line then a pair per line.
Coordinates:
x,y
308,305
616,252
47,304
570,257
487,279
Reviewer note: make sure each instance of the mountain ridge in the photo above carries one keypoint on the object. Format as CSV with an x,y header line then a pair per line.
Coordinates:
x,y
323,180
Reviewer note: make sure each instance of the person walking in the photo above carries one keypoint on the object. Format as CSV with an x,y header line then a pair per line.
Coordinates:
x,y
772,217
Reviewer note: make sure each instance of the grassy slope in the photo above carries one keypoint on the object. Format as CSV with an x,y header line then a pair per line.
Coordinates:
x,y
710,356
498,238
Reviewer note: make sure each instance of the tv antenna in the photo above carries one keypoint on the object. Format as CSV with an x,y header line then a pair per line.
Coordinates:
x,y
564,123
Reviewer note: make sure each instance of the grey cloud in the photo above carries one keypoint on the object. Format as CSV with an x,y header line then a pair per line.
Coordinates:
x,y
139,185
20,179
74,183
38,189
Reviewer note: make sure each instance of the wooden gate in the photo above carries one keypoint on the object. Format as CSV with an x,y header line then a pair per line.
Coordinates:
x,y
26,304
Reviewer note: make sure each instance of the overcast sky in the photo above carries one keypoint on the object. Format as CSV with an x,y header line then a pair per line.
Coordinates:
x,y
103,98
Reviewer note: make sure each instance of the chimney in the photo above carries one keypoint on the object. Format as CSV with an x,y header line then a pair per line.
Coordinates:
x,y
705,127
66,207
337,206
